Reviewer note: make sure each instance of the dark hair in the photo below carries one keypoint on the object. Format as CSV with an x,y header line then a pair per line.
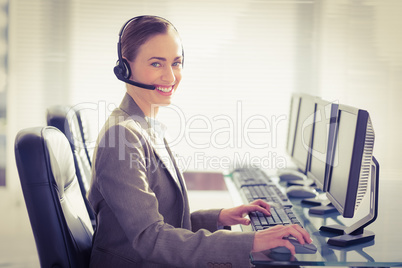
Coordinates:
x,y
139,30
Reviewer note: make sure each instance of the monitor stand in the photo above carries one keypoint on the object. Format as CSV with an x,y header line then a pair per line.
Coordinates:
x,y
320,200
324,209
321,205
302,182
355,234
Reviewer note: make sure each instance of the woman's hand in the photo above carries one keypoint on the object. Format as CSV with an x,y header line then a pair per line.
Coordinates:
x,y
236,215
273,237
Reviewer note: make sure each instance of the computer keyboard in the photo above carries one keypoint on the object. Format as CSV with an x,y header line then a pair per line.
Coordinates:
x,y
269,193
279,216
252,184
249,176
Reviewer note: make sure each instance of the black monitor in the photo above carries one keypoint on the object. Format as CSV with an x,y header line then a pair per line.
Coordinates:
x,y
304,131
292,123
322,143
320,155
299,137
352,172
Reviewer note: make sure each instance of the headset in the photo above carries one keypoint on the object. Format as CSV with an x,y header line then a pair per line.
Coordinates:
x,y
122,69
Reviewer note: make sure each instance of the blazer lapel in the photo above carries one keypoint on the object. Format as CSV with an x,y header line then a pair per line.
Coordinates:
x,y
164,154
131,108
182,184
177,170
170,164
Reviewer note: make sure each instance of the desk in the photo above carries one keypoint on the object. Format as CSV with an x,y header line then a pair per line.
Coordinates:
x,y
384,251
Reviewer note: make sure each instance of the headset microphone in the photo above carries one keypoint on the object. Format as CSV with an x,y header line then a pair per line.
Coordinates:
x,y
122,69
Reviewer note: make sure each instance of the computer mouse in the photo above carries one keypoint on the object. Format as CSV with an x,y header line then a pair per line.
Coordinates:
x,y
290,175
300,191
299,248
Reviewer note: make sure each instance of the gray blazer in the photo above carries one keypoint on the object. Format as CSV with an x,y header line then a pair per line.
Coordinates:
x,y
143,216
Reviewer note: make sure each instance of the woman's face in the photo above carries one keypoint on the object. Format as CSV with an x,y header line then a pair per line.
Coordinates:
x,y
158,63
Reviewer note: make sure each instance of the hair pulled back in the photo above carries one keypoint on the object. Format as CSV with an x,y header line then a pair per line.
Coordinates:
x,y
140,30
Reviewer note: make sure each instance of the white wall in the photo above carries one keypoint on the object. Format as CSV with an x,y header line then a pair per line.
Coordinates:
x,y
359,62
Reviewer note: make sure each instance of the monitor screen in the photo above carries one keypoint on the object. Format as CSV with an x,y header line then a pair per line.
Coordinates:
x,y
352,154
322,142
293,115
304,130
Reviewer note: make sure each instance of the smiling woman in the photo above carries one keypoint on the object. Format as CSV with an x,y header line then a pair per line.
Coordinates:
x,y
137,190
155,52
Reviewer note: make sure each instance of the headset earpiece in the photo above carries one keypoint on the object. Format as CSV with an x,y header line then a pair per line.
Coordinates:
x,y
118,70
122,69
126,68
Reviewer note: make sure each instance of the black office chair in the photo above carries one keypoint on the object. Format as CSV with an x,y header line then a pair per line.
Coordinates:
x,y
74,126
76,120
60,223
88,137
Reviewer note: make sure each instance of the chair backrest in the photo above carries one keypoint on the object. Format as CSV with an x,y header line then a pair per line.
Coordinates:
x,y
88,137
72,124
59,219
69,121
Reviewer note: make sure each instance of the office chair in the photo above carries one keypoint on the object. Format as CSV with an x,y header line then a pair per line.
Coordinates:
x,y
59,219
87,137
74,126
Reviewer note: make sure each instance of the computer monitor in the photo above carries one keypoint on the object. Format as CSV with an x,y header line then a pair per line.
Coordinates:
x,y
322,143
299,136
304,131
353,170
301,116
292,123
353,152
323,138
